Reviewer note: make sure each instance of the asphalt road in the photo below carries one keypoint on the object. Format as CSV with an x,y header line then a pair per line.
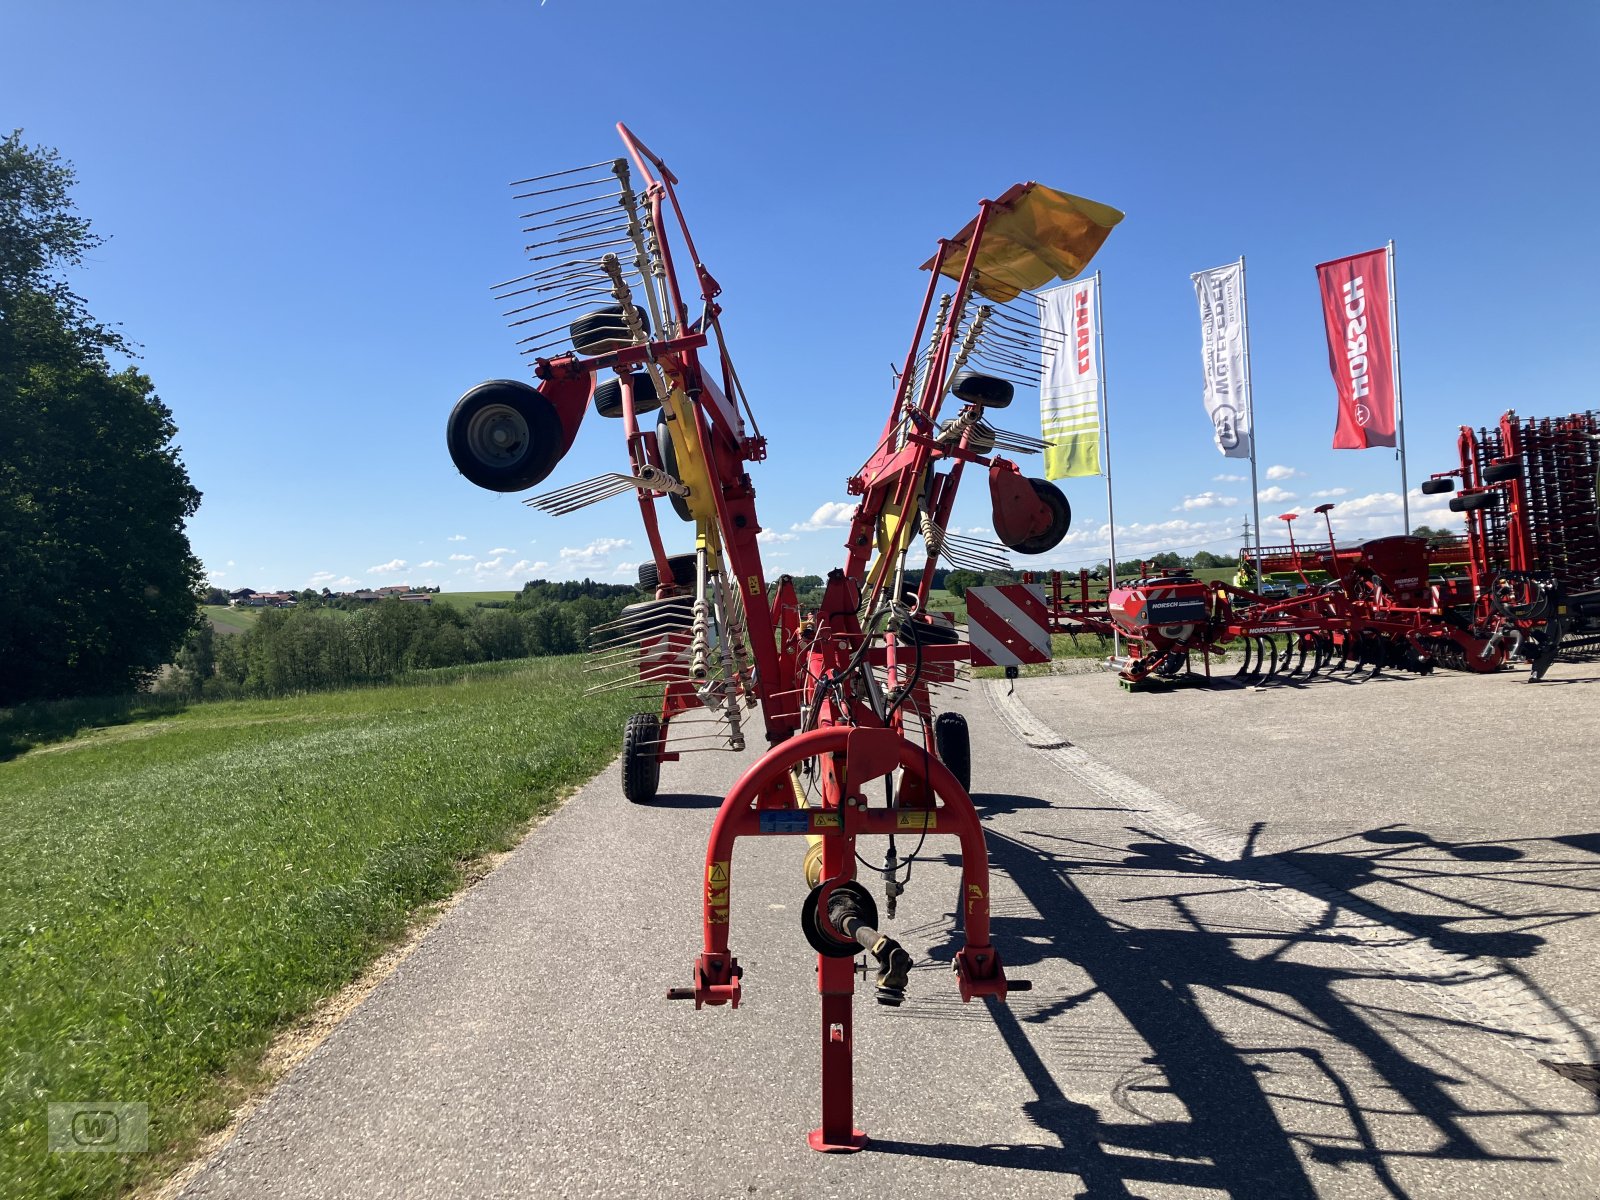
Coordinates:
x,y
1284,943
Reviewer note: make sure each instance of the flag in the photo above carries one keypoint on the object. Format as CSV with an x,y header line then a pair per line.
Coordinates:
x,y
1222,348
1355,308
1069,392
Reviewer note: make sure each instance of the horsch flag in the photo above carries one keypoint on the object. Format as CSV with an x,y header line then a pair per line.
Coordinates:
x,y
1069,391
1222,347
1355,306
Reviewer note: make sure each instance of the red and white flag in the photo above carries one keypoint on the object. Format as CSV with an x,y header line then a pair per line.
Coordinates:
x,y
1355,306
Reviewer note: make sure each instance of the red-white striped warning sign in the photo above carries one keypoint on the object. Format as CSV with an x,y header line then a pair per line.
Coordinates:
x,y
1008,625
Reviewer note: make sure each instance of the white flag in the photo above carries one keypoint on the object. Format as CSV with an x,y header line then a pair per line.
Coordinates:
x,y
1222,340
1069,393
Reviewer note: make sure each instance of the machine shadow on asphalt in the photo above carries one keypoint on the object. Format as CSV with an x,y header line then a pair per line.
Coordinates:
x,y
686,800
1213,1105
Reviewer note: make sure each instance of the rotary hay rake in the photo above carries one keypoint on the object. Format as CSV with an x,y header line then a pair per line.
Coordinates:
x,y
846,693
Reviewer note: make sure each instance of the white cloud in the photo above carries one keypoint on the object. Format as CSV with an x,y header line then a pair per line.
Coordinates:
x,y
320,578
626,568
463,558
502,550
1227,479
593,557
429,563
1327,492
456,537
835,514
388,568
216,574
1284,473
1206,500
1275,495
230,562
487,565
772,535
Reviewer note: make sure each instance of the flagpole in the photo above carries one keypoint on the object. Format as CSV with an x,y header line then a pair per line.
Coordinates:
x,y
1250,410
1399,406
1105,444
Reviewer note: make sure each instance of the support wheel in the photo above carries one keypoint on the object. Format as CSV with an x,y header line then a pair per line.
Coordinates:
x,y
504,436
669,463
680,567
608,396
988,390
604,330
954,747
641,764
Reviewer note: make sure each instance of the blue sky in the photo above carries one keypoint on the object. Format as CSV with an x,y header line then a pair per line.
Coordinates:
x,y
307,202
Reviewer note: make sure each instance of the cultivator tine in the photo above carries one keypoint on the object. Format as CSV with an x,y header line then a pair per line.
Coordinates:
x,y
1270,645
1302,648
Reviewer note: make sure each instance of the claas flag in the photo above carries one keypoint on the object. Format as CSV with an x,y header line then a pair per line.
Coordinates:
x,y
1034,235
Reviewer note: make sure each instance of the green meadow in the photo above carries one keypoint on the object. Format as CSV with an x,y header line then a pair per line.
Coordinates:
x,y
179,884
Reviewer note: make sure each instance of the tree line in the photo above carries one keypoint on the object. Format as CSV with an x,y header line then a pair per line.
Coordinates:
x,y
314,647
99,576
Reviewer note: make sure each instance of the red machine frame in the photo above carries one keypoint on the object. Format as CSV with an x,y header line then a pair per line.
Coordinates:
x,y
815,675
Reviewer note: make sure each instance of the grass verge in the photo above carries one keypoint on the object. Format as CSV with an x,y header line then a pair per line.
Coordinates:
x,y
174,891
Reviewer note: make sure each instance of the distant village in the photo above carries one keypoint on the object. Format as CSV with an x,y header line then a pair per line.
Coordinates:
x,y
250,598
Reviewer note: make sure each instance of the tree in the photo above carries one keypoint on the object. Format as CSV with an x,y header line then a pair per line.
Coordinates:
x,y
958,581
100,578
1436,535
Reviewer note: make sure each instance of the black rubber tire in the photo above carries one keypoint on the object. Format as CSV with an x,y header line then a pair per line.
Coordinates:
x,y
504,436
1060,520
680,566
929,633
604,330
1437,487
649,618
954,746
1500,472
608,396
988,390
641,764
669,463
1474,502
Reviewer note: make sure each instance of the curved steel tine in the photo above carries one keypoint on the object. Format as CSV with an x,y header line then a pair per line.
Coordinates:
x,y
1272,646
1318,655
1380,656
1244,667
1255,665
1296,647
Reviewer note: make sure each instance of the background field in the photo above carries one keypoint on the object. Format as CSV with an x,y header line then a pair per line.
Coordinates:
x,y
174,890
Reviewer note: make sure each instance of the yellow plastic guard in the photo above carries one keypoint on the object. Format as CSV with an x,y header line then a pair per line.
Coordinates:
x,y
1034,235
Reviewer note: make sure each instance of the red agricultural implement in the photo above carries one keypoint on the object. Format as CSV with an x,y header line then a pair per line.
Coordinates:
x,y
1380,604
1530,491
846,691
1522,585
